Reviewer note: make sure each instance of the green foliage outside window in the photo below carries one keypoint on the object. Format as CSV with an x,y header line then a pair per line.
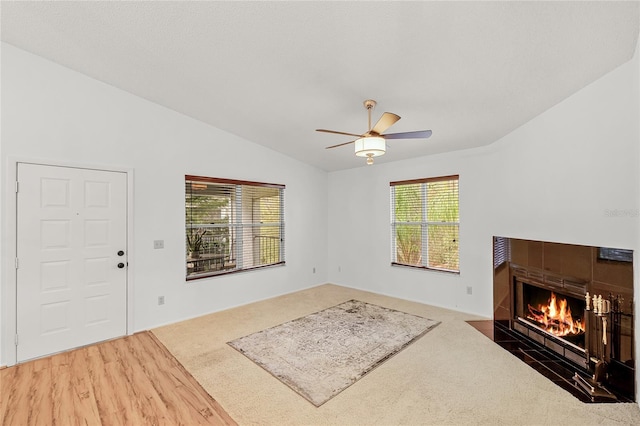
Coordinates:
x,y
269,208
408,208
202,211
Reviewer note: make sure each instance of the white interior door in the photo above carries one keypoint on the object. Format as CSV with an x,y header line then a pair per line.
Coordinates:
x,y
72,261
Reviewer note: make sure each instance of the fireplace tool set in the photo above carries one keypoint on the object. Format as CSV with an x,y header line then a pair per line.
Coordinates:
x,y
600,310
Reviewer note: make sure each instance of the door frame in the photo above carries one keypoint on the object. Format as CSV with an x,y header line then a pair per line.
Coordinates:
x,y
8,288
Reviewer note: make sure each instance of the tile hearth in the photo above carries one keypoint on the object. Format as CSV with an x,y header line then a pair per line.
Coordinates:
x,y
537,357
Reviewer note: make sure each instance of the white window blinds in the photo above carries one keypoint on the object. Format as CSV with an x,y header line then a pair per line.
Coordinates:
x,y
501,251
232,225
425,223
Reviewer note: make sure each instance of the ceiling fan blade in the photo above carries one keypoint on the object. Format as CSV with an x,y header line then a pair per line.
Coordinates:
x,y
421,134
386,121
340,144
337,133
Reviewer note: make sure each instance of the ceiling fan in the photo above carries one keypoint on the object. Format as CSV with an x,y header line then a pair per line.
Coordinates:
x,y
372,143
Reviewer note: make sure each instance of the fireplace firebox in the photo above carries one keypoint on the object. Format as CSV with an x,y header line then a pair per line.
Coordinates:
x,y
553,315
545,311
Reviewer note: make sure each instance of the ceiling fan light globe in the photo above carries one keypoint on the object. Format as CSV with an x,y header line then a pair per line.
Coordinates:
x,y
371,146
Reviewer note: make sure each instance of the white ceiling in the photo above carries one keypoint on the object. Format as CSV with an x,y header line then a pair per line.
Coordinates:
x,y
272,72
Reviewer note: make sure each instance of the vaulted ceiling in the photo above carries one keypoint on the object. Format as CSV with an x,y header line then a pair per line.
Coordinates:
x,y
273,72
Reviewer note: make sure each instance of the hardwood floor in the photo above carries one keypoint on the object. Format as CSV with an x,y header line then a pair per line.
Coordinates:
x,y
133,380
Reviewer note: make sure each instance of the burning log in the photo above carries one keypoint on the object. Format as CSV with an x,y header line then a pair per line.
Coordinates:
x,y
539,316
555,319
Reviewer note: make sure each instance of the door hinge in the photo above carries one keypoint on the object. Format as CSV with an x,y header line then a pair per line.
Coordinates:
x,y
17,186
17,263
16,340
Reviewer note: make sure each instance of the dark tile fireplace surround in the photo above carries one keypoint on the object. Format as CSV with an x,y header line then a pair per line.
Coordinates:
x,y
567,311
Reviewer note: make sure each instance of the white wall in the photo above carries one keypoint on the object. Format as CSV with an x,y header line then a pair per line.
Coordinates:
x,y
52,113
556,178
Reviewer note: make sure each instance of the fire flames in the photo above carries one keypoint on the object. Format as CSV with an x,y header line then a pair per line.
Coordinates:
x,y
555,318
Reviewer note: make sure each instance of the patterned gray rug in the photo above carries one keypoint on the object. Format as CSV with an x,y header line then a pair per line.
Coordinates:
x,y
320,355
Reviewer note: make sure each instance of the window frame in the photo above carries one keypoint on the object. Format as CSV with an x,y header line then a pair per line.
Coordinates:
x,y
237,224
424,223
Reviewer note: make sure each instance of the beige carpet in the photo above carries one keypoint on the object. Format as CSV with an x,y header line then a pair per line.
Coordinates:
x,y
456,376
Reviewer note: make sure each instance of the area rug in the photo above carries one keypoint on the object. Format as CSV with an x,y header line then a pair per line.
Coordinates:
x,y
321,354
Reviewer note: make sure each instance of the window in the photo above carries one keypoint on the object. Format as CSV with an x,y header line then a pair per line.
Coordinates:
x,y
425,223
620,255
232,225
501,251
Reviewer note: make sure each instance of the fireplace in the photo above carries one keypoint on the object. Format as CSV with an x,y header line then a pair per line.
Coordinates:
x,y
567,311
552,314
549,313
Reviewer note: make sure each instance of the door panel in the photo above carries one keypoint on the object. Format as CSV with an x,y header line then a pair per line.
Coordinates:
x,y
71,223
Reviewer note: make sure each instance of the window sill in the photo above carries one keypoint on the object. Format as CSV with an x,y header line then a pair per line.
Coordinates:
x,y
230,271
424,268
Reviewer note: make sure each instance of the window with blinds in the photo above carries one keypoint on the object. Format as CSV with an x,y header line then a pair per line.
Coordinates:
x,y
501,251
232,225
425,223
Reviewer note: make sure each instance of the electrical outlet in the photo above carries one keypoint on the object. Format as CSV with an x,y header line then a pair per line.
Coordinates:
x,y
469,290
158,244
339,269
160,300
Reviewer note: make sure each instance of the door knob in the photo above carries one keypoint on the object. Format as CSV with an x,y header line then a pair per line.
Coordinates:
x,y
120,253
120,265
